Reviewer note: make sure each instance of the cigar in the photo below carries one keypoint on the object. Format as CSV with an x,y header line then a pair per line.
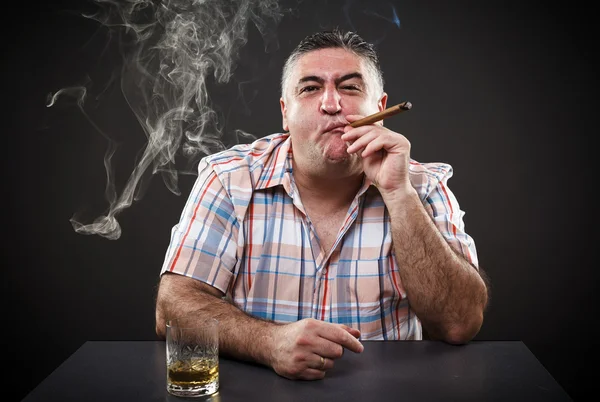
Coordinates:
x,y
384,114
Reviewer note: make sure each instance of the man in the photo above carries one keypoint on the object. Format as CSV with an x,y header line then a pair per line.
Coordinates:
x,y
303,242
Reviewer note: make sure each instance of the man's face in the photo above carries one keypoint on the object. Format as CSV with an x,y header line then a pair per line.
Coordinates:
x,y
323,87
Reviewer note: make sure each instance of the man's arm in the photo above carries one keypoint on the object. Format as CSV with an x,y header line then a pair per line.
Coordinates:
x,y
240,335
446,292
293,350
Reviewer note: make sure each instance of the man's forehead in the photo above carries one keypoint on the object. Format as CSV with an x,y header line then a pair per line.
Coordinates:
x,y
328,62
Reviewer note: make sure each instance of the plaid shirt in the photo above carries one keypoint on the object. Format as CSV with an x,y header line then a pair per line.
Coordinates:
x,y
244,231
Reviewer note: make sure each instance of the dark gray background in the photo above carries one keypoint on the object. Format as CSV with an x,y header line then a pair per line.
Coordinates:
x,y
504,91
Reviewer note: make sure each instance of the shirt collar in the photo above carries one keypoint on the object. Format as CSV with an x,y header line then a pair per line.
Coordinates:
x,y
277,168
365,186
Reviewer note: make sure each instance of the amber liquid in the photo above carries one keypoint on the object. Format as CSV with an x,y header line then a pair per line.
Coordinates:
x,y
193,373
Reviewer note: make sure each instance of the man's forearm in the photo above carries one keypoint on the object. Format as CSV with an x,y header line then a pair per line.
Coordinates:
x,y
241,336
445,291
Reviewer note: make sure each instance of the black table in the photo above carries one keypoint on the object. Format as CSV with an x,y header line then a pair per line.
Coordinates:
x,y
386,371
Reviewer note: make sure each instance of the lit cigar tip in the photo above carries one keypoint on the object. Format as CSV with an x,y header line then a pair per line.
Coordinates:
x,y
407,106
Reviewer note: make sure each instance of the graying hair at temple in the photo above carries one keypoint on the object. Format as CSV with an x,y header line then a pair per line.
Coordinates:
x,y
350,41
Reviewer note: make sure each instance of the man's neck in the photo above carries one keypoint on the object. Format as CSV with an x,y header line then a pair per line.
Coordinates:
x,y
335,191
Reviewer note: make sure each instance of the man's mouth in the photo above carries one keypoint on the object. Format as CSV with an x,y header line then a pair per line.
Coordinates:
x,y
335,128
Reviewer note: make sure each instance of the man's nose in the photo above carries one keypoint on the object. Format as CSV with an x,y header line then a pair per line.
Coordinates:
x,y
330,103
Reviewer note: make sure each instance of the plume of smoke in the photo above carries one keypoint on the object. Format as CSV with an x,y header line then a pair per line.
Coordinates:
x,y
173,48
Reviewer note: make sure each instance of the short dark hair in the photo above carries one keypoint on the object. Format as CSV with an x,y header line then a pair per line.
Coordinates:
x,y
335,38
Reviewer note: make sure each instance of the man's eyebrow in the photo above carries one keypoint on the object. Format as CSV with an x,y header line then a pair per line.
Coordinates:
x,y
349,77
337,81
311,78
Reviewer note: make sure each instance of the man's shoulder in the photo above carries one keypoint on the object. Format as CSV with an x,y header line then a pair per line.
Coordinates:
x,y
245,157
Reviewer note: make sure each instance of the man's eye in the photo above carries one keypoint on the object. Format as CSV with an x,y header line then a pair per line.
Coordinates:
x,y
351,87
309,88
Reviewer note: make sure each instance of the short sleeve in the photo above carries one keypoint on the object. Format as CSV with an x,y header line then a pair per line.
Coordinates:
x,y
203,243
449,219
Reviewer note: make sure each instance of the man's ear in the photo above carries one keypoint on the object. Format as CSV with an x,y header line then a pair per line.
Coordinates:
x,y
382,102
381,105
283,115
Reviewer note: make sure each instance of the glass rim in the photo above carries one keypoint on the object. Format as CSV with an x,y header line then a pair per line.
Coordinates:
x,y
198,323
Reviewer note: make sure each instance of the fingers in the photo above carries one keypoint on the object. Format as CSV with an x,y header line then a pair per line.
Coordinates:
x,y
368,140
374,146
358,143
313,367
321,363
306,349
311,374
328,349
341,336
325,363
352,331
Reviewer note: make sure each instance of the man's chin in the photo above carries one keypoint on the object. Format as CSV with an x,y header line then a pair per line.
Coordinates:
x,y
337,152
337,159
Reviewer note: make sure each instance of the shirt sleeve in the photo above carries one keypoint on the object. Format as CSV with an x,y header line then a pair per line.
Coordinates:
x,y
449,219
203,243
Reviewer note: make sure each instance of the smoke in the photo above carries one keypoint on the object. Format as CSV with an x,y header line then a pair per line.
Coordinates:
x,y
171,50
355,12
